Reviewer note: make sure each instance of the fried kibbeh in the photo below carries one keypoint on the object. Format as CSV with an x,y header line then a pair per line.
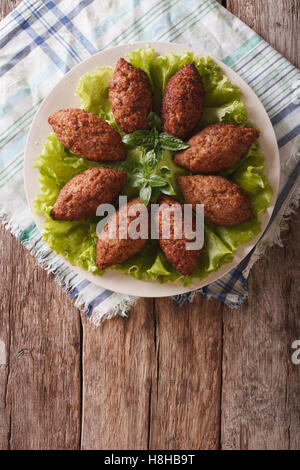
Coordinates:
x,y
216,148
182,103
174,248
80,197
130,96
225,203
87,135
112,246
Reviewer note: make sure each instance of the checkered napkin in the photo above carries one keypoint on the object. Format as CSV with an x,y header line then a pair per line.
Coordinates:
x,y
42,40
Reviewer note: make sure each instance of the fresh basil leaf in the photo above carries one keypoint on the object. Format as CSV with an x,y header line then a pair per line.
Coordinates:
x,y
169,142
165,171
150,159
154,121
169,190
145,194
138,170
158,153
139,138
136,181
156,136
156,181
155,195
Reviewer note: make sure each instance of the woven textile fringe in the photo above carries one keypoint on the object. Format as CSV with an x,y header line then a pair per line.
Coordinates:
x,y
48,260
273,237
64,276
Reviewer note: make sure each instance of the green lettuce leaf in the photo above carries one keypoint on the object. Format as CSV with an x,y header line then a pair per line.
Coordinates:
x,y
223,102
92,88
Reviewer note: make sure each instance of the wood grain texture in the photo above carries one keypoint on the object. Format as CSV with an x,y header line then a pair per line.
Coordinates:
x,y
260,408
261,386
277,21
186,381
117,364
6,6
40,360
153,381
199,377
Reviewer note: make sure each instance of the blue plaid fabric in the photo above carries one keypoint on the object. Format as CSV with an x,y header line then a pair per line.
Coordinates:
x,y
40,41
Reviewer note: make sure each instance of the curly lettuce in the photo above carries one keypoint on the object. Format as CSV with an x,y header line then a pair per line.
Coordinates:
x,y
223,103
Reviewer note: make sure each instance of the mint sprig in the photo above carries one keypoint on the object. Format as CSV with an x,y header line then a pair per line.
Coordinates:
x,y
154,142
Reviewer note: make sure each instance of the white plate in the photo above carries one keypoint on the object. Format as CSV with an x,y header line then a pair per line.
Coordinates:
x,y
62,96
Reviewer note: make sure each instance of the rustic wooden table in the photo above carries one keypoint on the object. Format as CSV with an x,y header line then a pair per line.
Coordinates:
x,y
202,377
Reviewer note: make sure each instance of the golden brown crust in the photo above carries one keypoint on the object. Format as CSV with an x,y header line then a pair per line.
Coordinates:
x,y
185,261
216,148
225,203
87,135
80,197
112,248
130,96
182,104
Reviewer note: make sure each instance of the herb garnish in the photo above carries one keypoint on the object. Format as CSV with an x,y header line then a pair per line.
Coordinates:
x,y
154,142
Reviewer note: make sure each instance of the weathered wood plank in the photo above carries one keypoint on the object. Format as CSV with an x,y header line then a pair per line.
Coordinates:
x,y
142,377
185,398
261,386
179,417
240,426
276,21
39,356
6,6
117,364
260,399
39,351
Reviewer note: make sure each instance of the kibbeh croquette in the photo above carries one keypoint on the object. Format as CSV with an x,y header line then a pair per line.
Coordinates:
x,y
80,197
112,246
87,135
225,203
130,96
174,248
216,148
182,103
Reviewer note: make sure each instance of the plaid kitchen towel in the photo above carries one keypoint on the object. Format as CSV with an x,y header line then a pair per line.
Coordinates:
x,y
42,40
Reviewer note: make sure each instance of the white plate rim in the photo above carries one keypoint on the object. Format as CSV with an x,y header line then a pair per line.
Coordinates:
x,y
39,129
